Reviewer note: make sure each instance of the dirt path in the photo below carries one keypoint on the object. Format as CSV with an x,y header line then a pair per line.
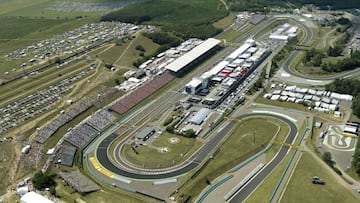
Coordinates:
x,y
324,40
129,45
226,6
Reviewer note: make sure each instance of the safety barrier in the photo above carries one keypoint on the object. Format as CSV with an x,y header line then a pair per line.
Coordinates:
x,y
288,164
160,182
243,181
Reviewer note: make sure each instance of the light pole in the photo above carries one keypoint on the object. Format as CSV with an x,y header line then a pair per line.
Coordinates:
x,y
254,136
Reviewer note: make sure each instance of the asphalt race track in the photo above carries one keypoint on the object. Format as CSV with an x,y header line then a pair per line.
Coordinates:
x,y
244,192
197,158
295,53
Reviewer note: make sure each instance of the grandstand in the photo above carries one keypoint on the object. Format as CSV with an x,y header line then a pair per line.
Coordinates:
x,y
81,135
100,119
46,132
79,182
66,155
141,93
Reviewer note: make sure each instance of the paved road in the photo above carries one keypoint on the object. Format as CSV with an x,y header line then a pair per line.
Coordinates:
x,y
193,161
244,192
295,53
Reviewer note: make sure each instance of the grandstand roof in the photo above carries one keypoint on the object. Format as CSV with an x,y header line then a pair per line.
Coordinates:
x,y
190,56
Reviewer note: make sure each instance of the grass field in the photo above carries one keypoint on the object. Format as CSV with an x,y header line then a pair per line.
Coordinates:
x,y
301,189
150,157
7,155
189,18
225,22
131,54
237,148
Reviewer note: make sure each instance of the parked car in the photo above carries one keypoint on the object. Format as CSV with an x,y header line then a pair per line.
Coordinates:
x,y
317,180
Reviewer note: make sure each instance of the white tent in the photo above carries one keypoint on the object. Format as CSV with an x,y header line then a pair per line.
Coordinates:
x,y
33,197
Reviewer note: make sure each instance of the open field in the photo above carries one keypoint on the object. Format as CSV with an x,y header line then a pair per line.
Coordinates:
x,y
150,157
189,18
42,8
225,22
237,148
131,54
301,181
7,155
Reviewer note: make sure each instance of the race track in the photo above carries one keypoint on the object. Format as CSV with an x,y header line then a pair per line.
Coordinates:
x,y
195,159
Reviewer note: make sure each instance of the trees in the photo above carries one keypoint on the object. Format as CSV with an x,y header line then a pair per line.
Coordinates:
x,y
43,180
336,51
140,48
52,191
343,65
328,159
313,58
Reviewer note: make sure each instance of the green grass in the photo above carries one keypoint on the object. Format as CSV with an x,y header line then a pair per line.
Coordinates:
x,y
301,189
225,22
263,192
189,18
132,54
7,155
149,157
237,148
39,9
283,133
230,35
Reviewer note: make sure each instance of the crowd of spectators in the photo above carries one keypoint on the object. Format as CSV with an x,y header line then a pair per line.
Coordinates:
x,y
106,94
81,135
100,119
141,93
44,133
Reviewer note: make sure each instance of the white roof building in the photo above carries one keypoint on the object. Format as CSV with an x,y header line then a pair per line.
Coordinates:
x,y
200,116
279,37
33,197
216,69
193,54
239,51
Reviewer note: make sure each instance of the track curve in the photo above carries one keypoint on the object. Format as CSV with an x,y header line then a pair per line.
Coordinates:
x,y
194,160
295,53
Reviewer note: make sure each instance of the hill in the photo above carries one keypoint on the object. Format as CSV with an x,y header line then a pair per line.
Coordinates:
x,y
186,18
